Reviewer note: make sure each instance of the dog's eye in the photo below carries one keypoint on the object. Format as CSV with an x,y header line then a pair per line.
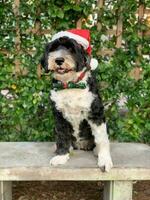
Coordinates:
x,y
71,49
67,46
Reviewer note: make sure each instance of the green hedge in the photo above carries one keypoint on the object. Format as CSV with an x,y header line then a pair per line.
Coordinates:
x,y
25,113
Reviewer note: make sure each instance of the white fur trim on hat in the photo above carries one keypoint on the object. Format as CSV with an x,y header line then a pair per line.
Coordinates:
x,y
93,63
78,38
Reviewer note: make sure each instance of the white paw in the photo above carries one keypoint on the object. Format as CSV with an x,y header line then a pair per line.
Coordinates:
x,y
105,162
59,159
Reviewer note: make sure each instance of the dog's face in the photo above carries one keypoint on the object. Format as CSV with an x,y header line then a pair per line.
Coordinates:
x,y
64,56
61,60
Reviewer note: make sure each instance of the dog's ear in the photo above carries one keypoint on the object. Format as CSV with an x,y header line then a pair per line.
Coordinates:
x,y
81,56
44,59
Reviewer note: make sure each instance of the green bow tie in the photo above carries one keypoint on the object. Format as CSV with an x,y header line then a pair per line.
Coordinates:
x,y
70,85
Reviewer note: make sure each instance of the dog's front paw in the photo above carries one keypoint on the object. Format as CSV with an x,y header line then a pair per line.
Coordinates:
x,y
59,159
105,162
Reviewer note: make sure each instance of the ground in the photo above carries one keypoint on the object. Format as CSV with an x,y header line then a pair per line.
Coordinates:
x,y
70,190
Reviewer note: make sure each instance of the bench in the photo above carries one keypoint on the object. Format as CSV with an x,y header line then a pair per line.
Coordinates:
x,y
29,161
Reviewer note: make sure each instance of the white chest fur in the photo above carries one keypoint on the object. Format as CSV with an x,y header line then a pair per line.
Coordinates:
x,y
74,104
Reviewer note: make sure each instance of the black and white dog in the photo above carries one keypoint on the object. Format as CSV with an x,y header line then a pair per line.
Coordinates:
x,y
77,106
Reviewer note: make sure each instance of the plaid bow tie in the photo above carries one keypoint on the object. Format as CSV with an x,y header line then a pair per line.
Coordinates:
x,y
70,85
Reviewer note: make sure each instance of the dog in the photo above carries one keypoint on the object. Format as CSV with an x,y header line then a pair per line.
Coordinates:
x,y
76,103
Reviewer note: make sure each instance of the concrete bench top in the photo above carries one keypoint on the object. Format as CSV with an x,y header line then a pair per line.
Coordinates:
x,y
30,161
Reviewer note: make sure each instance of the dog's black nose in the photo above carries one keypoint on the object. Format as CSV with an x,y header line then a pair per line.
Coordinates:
x,y
59,61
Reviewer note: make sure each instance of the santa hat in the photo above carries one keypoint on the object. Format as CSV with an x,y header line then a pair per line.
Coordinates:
x,y
82,36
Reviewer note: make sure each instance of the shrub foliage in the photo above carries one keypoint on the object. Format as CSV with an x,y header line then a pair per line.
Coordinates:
x,y
25,113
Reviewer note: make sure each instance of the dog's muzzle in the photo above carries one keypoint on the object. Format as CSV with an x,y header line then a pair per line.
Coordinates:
x,y
59,61
61,70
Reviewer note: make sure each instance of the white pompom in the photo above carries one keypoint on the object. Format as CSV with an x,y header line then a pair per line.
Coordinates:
x,y
93,63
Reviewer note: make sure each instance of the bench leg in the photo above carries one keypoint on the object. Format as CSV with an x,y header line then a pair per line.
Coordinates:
x,y
5,190
118,190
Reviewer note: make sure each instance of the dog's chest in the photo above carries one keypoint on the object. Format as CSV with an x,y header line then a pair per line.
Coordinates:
x,y
73,103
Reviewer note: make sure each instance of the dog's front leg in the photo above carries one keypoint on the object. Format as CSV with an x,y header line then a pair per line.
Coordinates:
x,y
63,131
102,148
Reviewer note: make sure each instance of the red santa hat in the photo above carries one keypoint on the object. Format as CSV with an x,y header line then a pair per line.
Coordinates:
x,y
82,36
